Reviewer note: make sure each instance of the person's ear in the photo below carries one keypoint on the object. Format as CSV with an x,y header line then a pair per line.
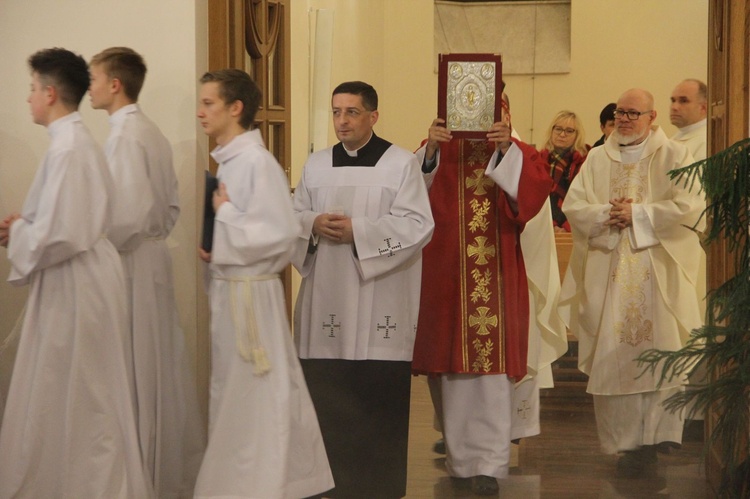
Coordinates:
x,y
52,94
115,86
374,115
235,108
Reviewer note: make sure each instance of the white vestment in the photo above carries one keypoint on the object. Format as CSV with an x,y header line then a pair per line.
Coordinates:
x,y
361,301
548,337
172,435
630,290
694,138
264,440
69,428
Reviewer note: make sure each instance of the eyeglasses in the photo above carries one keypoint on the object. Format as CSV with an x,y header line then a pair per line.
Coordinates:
x,y
632,115
559,130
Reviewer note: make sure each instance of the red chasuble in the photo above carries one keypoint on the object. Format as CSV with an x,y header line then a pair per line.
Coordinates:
x,y
474,306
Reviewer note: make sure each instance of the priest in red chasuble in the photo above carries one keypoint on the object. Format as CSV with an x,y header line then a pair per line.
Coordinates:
x,y
472,334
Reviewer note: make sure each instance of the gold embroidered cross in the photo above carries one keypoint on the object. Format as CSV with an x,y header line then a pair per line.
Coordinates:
x,y
482,319
480,250
478,182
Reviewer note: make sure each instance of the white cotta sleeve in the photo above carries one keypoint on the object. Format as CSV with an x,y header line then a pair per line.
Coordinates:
x,y
428,177
400,234
302,256
507,173
63,215
258,222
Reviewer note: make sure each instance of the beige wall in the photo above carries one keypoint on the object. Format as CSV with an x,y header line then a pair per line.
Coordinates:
x,y
171,35
615,45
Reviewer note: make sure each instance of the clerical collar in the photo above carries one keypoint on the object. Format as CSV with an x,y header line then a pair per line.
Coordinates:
x,y
353,153
694,126
633,153
367,155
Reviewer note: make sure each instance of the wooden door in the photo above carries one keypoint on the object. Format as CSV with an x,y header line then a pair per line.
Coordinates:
x,y
728,69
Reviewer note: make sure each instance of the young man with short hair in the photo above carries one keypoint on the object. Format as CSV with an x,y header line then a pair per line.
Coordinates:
x,y
68,429
264,439
171,433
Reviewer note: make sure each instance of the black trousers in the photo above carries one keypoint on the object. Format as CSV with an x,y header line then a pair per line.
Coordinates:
x,y
363,410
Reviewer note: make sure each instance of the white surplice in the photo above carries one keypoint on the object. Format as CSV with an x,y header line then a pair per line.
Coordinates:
x,y
170,427
361,301
694,138
264,440
69,428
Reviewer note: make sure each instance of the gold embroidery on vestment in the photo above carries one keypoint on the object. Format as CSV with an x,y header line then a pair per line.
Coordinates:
x,y
479,182
483,320
482,362
481,290
479,221
480,251
632,274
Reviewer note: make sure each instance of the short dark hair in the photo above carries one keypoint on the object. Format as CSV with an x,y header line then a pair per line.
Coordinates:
x,y
364,90
607,114
237,85
64,70
126,65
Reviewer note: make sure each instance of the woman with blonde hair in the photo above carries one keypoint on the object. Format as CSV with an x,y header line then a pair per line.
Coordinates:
x,y
564,151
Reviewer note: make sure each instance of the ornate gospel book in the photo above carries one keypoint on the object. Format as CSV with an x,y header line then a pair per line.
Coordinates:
x,y
470,90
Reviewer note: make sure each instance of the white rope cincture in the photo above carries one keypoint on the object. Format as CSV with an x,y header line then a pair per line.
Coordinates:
x,y
248,343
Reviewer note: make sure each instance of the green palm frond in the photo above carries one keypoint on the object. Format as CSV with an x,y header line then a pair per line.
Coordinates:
x,y
722,345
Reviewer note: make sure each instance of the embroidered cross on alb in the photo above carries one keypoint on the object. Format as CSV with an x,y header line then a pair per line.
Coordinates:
x,y
331,326
389,249
523,409
388,326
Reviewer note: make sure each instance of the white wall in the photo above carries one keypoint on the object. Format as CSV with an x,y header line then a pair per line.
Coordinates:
x,y
171,36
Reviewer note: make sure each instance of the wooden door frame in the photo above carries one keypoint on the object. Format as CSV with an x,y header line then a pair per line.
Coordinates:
x,y
728,122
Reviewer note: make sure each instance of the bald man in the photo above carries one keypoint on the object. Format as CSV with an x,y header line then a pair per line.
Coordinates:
x,y
631,283
688,113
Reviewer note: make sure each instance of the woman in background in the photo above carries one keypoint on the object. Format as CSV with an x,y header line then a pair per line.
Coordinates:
x,y
564,151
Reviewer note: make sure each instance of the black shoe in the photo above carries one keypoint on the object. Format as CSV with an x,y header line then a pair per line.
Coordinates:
x,y
461,483
483,485
439,447
638,462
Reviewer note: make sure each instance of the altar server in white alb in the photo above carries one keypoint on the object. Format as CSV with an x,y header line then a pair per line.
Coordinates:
x,y
632,282
365,218
146,208
264,440
69,428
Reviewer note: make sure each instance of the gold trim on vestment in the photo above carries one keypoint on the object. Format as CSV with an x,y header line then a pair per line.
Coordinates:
x,y
632,274
481,303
